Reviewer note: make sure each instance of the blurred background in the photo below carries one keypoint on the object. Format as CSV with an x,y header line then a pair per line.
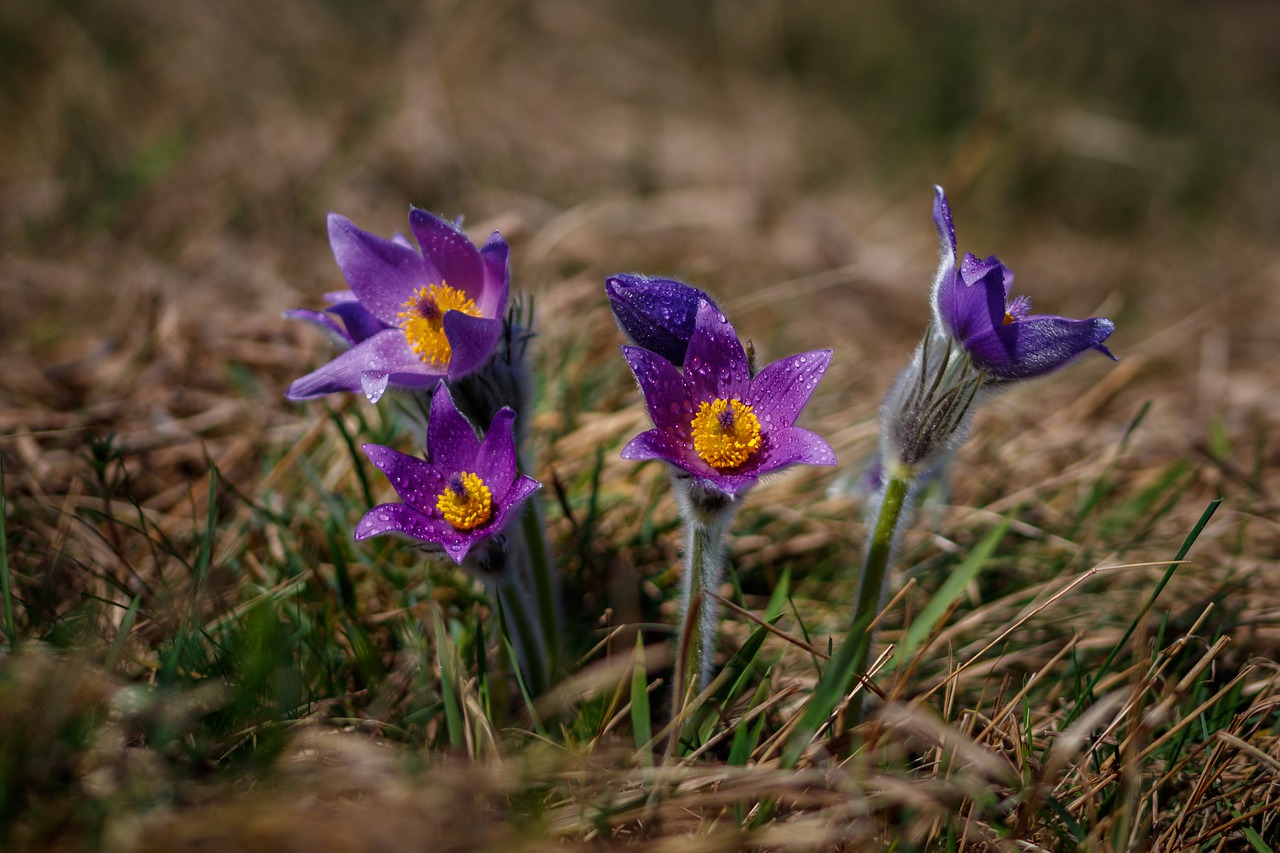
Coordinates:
x,y
166,167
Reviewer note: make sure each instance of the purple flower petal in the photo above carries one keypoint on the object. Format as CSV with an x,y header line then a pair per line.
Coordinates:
x,y
401,519
946,227
792,446
453,448
970,309
360,322
716,361
496,458
667,446
972,269
658,314
456,259
451,440
716,368
417,483
471,339
782,389
666,393
386,354
382,273
508,504
1037,345
492,300
324,321
1002,337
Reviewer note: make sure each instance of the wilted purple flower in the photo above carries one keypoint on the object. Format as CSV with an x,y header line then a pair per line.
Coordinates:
x,y
410,318
716,421
462,494
1002,337
657,314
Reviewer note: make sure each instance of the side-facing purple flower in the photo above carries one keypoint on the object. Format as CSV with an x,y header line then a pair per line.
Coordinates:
x,y
1002,337
716,421
657,314
464,492
411,317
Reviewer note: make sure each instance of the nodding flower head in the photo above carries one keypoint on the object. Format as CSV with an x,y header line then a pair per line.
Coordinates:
x,y
716,422
980,340
411,316
463,494
657,314
1001,336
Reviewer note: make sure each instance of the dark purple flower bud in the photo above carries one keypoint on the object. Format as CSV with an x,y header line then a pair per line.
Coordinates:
x,y
463,494
1004,340
718,423
411,317
657,314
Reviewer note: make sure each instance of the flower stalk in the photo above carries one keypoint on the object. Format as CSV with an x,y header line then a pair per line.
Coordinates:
x,y
883,540
706,514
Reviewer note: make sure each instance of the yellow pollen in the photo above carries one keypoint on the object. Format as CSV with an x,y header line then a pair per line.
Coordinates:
x,y
422,320
466,502
726,433
1008,318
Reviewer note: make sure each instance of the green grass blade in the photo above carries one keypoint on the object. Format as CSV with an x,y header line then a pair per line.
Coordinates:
x,y
641,718
357,458
781,595
1255,840
117,645
204,557
828,692
448,684
1133,625
952,588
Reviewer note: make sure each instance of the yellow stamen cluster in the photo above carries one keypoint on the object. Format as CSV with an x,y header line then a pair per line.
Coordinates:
x,y
422,320
1008,318
726,433
466,502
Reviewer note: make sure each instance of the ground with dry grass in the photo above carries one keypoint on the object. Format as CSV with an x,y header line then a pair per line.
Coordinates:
x,y
199,655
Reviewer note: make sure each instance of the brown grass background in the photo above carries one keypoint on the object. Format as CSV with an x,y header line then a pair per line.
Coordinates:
x,y
166,167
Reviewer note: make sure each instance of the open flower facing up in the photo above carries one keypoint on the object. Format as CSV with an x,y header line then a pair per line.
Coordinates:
x,y
464,493
657,314
1002,337
718,423
411,318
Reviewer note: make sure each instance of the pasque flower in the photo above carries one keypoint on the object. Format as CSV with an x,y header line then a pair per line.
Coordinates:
x,y
411,317
1001,336
718,423
979,342
657,314
465,491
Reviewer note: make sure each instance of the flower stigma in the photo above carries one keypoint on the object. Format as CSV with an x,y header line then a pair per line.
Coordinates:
x,y
726,433
422,320
1017,309
466,501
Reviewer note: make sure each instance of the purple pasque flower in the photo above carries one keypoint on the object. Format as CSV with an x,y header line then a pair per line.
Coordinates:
x,y
1002,337
411,317
463,493
657,314
717,422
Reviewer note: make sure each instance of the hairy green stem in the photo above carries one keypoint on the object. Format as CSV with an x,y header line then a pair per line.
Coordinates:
x,y
702,569
879,552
